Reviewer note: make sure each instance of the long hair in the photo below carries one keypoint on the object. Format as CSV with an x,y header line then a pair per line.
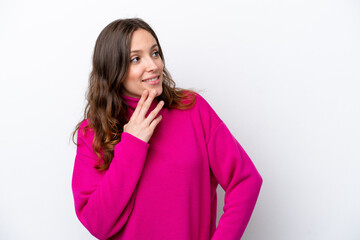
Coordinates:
x,y
106,110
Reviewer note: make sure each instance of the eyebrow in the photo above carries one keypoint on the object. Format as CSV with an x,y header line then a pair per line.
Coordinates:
x,y
153,46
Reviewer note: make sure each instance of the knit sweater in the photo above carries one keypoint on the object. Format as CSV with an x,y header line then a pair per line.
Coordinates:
x,y
166,188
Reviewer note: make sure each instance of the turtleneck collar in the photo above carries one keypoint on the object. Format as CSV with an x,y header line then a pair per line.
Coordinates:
x,y
132,102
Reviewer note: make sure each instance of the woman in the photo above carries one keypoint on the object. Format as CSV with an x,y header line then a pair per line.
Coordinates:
x,y
150,155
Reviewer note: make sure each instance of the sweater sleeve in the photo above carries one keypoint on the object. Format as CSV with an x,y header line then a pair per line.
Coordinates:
x,y
233,170
104,200
240,180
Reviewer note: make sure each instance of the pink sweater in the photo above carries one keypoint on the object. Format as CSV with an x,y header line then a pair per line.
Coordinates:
x,y
166,189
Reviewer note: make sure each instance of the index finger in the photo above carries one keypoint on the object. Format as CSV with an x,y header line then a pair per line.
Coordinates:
x,y
147,103
140,103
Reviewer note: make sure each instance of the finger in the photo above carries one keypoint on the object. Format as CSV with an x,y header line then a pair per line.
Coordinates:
x,y
146,105
154,112
140,103
155,122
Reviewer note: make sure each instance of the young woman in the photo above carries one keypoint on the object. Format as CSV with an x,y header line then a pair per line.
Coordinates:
x,y
149,155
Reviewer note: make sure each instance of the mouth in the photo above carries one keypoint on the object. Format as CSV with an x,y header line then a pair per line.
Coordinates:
x,y
152,79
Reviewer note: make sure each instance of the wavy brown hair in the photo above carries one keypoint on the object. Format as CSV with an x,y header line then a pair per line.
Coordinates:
x,y
106,110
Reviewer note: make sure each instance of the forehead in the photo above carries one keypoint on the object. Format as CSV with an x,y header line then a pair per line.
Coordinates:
x,y
142,39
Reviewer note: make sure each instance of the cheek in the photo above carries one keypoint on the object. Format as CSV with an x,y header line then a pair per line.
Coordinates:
x,y
133,79
135,74
161,65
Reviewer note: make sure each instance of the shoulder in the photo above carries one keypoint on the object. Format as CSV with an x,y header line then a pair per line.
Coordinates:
x,y
85,125
208,117
85,132
192,98
205,108
200,101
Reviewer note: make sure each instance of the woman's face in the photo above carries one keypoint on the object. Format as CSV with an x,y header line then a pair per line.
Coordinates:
x,y
146,67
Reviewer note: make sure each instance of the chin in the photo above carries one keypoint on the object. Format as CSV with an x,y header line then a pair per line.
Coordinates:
x,y
158,90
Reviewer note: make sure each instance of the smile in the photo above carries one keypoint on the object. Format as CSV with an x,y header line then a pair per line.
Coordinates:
x,y
151,80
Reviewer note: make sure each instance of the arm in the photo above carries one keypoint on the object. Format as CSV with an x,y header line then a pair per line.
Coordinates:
x,y
239,178
104,201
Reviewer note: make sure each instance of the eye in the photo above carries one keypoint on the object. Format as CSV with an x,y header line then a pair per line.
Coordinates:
x,y
135,59
156,53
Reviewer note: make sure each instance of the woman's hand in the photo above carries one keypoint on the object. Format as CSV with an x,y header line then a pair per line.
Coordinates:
x,y
140,126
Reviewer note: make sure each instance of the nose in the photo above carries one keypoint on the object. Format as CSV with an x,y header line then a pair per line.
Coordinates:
x,y
151,65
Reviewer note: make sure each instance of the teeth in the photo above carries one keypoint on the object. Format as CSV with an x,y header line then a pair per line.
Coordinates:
x,y
151,80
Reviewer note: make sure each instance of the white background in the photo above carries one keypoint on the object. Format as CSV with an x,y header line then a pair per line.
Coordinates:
x,y
283,75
